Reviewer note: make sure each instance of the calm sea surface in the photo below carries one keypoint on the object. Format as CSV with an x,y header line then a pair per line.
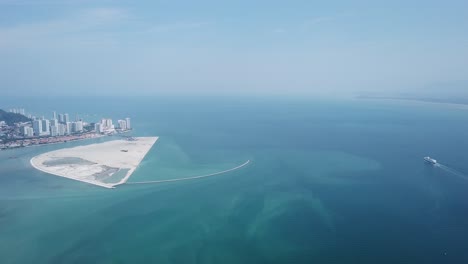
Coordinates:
x,y
329,182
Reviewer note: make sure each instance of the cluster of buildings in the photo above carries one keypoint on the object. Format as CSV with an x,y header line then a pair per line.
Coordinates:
x,y
61,125
106,126
17,111
53,127
55,130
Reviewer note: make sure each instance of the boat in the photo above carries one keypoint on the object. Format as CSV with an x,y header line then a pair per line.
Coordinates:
x,y
430,160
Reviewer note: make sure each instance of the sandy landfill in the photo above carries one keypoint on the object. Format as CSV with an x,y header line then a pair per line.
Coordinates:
x,y
105,164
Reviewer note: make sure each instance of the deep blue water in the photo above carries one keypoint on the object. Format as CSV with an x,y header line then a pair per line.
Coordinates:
x,y
336,181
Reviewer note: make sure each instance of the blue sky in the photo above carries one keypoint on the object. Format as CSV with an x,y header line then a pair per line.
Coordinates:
x,y
231,47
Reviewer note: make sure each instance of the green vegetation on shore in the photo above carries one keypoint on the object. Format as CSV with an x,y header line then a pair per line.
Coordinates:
x,y
11,118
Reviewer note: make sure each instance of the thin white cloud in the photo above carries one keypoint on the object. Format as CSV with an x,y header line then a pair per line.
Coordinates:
x,y
177,26
310,23
104,14
96,26
279,30
40,2
86,21
316,21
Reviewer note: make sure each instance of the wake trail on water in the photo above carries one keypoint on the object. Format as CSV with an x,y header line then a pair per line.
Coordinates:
x,y
193,177
40,197
452,171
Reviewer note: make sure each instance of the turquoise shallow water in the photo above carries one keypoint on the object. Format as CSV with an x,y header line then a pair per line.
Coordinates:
x,y
329,182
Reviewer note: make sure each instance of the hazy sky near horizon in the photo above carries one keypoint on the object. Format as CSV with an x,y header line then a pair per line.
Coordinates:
x,y
229,47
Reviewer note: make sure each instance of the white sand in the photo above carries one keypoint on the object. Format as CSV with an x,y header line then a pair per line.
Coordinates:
x,y
108,154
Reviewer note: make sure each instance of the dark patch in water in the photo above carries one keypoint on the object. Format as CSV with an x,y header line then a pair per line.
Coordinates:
x,y
106,173
66,161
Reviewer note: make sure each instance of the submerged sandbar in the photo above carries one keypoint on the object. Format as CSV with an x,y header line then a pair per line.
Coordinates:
x,y
104,164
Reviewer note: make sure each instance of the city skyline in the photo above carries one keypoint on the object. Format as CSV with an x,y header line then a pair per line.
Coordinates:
x,y
58,128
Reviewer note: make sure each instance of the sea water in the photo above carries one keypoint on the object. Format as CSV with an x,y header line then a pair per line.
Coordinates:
x,y
330,181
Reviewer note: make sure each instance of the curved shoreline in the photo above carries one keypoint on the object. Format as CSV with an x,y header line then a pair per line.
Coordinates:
x,y
118,154
459,106
105,185
193,177
53,143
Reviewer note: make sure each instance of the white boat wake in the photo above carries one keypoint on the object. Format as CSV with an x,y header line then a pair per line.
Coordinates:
x,y
452,171
193,177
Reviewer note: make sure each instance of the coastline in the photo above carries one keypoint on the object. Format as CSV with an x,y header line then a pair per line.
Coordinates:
x,y
71,178
130,172
115,154
459,106
54,143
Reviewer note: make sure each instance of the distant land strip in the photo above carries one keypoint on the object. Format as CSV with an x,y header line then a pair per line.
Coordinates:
x,y
454,101
193,177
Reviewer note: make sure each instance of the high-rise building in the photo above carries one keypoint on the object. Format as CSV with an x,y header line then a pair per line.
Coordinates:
x,y
98,127
60,118
122,124
68,128
37,127
79,126
54,122
54,115
127,120
46,126
23,130
66,118
61,129
109,123
54,131
29,132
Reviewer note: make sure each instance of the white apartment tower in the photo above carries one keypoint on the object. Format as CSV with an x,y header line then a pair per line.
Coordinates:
x,y
122,124
37,127
54,122
45,126
79,126
61,129
108,123
23,130
66,118
68,128
98,127
29,132
127,120
54,131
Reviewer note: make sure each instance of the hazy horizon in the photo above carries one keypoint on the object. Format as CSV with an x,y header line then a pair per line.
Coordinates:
x,y
236,47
